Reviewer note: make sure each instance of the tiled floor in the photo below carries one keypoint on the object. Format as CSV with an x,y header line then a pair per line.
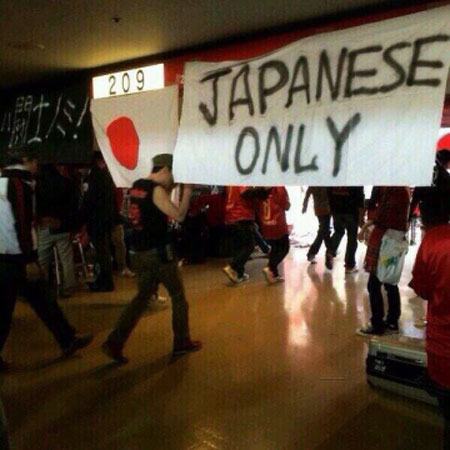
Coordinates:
x,y
281,368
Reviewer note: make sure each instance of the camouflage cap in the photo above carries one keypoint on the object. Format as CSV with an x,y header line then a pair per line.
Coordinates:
x,y
162,160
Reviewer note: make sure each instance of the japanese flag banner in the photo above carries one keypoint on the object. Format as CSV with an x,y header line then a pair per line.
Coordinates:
x,y
132,129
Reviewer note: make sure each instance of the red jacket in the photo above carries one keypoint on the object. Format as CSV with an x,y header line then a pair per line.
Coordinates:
x,y
431,280
237,207
272,213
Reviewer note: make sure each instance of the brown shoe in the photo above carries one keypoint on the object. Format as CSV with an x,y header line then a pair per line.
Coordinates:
x,y
188,347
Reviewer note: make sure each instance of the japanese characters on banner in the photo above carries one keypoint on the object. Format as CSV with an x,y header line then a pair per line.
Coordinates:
x,y
131,129
360,106
56,124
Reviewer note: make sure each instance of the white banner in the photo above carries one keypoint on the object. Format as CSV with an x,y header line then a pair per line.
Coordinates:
x,y
360,106
131,129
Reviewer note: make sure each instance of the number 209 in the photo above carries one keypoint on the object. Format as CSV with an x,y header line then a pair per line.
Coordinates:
x,y
125,82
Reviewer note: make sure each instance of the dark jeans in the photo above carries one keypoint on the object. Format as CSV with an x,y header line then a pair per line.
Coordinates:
x,y
345,223
280,248
102,245
376,302
151,271
40,298
323,235
244,244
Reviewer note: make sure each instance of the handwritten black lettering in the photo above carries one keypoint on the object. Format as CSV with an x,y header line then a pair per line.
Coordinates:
x,y
340,138
324,66
298,167
416,62
265,91
247,132
302,63
394,64
211,118
274,137
247,100
352,73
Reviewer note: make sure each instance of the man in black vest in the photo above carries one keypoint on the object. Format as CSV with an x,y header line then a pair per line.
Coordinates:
x,y
153,258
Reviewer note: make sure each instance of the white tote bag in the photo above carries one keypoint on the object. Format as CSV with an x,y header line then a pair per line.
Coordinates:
x,y
393,250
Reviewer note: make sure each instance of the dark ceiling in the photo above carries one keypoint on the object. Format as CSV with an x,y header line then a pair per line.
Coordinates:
x,y
42,38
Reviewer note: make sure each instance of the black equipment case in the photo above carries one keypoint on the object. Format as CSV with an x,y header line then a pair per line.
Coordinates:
x,y
398,364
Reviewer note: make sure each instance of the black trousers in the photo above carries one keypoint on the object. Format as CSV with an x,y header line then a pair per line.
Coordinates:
x,y
377,305
345,223
443,396
244,244
261,242
40,298
280,248
323,235
102,245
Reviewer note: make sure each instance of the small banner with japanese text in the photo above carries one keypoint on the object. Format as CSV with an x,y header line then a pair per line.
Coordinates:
x,y
54,124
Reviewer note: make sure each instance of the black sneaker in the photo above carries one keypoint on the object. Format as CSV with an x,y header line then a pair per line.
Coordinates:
x,y
114,352
370,330
79,341
391,327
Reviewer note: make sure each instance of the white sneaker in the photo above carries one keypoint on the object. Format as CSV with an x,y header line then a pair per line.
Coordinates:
x,y
245,277
352,270
231,274
270,277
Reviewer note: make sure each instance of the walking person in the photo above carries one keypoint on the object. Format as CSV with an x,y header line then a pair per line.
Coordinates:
x,y
388,210
99,212
272,218
323,214
347,209
19,267
154,259
240,217
56,207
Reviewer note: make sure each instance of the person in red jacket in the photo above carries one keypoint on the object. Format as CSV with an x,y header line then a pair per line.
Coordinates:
x,y
240,216
431,280
272,218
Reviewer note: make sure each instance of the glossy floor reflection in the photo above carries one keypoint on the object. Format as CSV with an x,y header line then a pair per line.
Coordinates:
x,y
281,368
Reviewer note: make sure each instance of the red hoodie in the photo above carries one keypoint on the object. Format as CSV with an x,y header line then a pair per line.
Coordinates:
x,y
272,213
431,280
238,208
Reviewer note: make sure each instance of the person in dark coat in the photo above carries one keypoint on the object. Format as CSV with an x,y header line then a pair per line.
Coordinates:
x,y
100,215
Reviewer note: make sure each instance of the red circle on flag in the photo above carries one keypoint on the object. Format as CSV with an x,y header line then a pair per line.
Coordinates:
x,y
124,141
